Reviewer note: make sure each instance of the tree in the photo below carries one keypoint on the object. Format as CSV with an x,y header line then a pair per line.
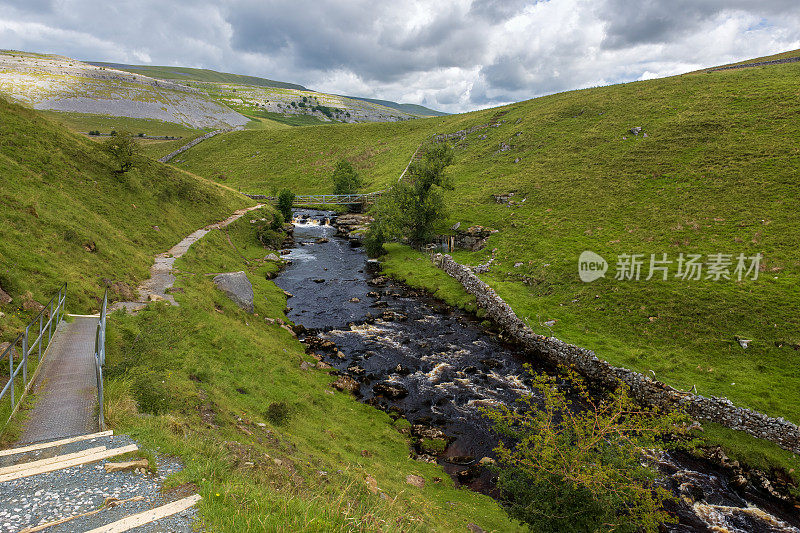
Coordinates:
x,y
123,150
569,462
345,178
285,201
412,207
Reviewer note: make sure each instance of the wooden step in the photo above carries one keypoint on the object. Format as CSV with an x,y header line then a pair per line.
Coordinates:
x,y
97,456
43,445
146,517
50,460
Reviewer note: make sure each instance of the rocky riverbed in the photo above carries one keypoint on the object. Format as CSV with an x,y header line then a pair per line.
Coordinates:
x,y
433,368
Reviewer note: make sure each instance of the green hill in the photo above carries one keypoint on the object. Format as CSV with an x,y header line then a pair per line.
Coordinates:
x,y
212,76
67,217
198,74
713,171
412,109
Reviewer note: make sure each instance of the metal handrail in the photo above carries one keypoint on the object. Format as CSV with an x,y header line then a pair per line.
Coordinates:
x,y
317,199
100,358
55,309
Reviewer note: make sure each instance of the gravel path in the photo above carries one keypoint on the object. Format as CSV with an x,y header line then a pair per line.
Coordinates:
x,y
161,277
73,491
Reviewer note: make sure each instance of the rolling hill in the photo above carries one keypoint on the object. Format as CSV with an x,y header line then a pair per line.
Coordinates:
x,y
193,98
712,171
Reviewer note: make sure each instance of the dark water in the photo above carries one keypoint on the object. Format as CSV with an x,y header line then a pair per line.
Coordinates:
x,y
450,368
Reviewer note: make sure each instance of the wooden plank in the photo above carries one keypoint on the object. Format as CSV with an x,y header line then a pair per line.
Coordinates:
x,y
43,445
41,462
149,516
99,456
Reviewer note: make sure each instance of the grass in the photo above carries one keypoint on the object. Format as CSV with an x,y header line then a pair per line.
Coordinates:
x,y
715,174
84,122
201,381
68,217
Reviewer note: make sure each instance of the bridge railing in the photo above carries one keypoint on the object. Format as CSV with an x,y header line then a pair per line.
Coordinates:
x,y
100,358
323,199
22,348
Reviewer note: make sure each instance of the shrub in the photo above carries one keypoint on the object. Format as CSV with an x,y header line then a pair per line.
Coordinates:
x,y
277,413
285,201
569,462
277,222
374,241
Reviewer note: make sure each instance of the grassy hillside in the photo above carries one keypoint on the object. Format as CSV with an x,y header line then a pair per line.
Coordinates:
x,y
198,74
67,217
309,469
715,174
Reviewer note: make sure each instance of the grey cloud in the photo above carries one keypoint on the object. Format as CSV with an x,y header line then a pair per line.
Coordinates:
x,y
455,56
320,36
498,10
633,22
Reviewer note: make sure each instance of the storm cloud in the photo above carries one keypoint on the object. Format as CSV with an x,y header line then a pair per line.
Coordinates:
x,y
451,55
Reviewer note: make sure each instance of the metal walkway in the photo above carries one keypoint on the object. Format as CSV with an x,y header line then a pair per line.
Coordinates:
x,y
66,387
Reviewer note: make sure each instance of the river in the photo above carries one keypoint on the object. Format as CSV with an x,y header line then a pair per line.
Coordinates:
x,y
439,367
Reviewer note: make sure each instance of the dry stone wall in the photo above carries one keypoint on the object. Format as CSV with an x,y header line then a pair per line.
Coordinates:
x,y
645,389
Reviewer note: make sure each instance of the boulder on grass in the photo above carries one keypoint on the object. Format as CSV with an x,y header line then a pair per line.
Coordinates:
x,y
238,288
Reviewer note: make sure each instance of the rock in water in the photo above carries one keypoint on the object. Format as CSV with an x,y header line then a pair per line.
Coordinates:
x,y
237,287
392,391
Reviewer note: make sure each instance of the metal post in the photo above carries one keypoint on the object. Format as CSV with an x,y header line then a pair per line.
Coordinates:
x,y
101,418
41,334
11,374
25,342
50,323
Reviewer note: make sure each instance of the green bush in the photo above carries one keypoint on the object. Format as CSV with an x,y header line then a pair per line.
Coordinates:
x,y
374,241
277,222
570,462
277,413
285,201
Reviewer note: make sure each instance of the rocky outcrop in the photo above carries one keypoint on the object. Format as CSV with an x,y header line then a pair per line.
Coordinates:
x,y
473,238
352,225
237,287
643,388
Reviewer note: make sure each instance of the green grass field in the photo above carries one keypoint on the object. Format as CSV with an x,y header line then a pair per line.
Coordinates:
x,y
196,380
716,174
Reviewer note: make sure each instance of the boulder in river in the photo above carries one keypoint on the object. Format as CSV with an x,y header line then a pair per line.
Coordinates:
x,y
346,384
237,287
392,391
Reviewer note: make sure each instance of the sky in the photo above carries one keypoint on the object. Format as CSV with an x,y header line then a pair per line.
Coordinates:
x,y
450,55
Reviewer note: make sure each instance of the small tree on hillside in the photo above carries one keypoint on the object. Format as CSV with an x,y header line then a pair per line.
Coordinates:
x,y
345,178
123,150
412,207
285,201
